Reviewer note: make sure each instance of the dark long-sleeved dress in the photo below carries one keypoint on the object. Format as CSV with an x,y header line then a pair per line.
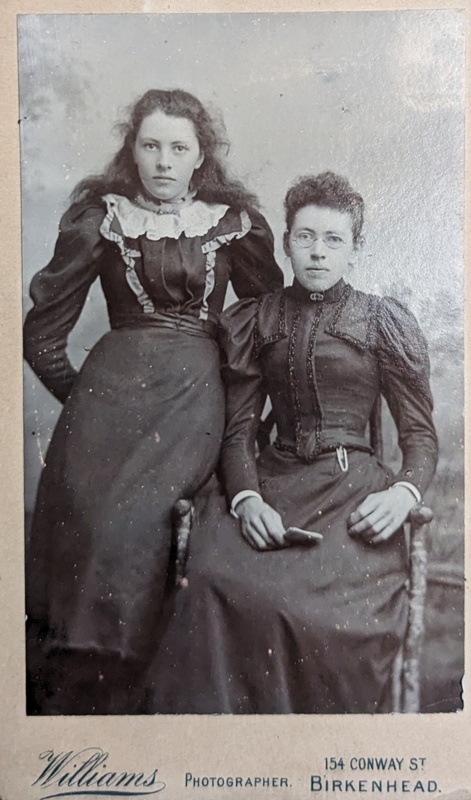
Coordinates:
x,y
302,629
143,420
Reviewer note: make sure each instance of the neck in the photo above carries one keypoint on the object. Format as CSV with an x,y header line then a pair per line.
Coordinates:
x,y
330,295
146,200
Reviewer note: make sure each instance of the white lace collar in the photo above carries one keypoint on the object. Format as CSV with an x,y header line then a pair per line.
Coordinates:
x,y
194,219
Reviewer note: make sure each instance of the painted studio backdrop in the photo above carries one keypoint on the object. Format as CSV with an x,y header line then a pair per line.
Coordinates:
x,y
377,97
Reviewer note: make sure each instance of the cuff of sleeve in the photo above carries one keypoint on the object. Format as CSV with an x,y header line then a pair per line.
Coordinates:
x,y
411,488
241,496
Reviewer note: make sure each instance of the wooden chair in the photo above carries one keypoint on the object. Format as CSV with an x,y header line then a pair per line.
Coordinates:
x,y
406,669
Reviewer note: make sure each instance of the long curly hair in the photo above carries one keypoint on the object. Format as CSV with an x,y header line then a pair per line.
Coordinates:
x,y
211,180
326,189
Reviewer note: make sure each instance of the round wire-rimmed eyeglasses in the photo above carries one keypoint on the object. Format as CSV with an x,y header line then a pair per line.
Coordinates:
x,y
306,239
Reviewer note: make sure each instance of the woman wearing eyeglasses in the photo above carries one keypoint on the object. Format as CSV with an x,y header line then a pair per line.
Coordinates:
x,y
277,619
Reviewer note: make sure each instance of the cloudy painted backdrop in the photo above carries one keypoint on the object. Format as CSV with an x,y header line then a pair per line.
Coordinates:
x,y
377,96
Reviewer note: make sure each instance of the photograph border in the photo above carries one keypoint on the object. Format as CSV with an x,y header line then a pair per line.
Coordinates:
x,y
293,746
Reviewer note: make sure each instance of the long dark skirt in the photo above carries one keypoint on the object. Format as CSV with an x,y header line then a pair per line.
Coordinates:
x,y
297,630
141,428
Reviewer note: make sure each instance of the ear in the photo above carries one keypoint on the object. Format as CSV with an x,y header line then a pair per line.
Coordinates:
x,y
353,260
199,161
286,244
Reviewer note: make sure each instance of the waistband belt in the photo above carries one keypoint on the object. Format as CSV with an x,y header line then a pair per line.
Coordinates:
x,y
159,319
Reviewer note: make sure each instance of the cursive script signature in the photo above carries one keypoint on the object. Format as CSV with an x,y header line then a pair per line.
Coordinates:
x,y
86,772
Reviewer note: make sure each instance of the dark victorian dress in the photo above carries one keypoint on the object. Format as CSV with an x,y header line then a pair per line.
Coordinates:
x,y
302,629
142,421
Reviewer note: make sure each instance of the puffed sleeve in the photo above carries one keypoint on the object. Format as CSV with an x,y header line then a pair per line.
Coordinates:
x,y
59,292
244,397
254,270
405,374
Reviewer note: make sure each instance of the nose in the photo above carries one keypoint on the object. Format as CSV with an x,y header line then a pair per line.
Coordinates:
x,y
317,249
164,160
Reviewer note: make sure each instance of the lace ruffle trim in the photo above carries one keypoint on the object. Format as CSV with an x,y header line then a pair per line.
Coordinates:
x,y
192,220
226,238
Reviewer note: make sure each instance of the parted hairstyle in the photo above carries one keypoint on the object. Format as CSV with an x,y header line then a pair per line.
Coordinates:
x,y
211,181
326,189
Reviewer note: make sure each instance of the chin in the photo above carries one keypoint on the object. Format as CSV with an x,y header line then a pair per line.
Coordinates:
x,y
161,196
319,284
165,194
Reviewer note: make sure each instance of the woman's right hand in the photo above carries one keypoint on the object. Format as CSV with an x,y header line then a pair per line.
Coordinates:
x,y
261,525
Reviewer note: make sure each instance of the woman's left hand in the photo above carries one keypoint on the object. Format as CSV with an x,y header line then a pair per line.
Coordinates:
x,y
381,514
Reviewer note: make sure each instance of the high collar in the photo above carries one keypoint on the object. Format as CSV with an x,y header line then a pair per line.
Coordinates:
x,y
145,200
298,292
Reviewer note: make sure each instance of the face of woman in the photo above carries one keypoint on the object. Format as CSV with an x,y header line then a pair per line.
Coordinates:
x,y
166,152
320,246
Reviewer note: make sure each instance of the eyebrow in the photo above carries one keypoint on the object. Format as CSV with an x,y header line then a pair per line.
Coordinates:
x,y
182,140
311,230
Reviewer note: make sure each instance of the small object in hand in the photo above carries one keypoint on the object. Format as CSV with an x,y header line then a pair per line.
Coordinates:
x,y
299,536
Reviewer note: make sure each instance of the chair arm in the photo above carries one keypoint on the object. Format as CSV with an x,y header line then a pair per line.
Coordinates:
x,y
183,512
420,515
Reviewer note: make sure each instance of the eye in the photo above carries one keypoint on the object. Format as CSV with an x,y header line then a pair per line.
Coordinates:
x,y
149,146
180,148
333,240
304,237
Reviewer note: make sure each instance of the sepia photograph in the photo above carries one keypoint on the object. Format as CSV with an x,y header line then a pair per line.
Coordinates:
x,y
243,405
233,343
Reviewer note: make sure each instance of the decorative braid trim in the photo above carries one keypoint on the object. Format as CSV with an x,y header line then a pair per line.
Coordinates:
x,y
260,340
292,374
209,249
208,284
128,255
371,316
312,375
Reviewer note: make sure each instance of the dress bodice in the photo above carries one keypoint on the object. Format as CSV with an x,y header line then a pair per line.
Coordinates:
x,y
178,262
169,269
324,359
332,384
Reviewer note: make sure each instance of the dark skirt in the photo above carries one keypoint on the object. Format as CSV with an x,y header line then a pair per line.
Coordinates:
x,y
296,630
141,428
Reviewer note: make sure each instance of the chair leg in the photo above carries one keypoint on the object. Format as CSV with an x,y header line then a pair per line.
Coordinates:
x,y
396,684
408,698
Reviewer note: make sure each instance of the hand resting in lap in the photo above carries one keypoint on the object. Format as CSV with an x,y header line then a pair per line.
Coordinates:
x,y
381,514
376,519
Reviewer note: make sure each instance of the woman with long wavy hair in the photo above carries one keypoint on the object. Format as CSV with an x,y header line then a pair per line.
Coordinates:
x,y
165,230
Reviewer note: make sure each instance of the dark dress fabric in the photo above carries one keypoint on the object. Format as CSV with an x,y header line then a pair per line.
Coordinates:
x,y
142,422
302,629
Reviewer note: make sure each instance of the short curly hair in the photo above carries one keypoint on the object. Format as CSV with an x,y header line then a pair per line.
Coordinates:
x,y
326,189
